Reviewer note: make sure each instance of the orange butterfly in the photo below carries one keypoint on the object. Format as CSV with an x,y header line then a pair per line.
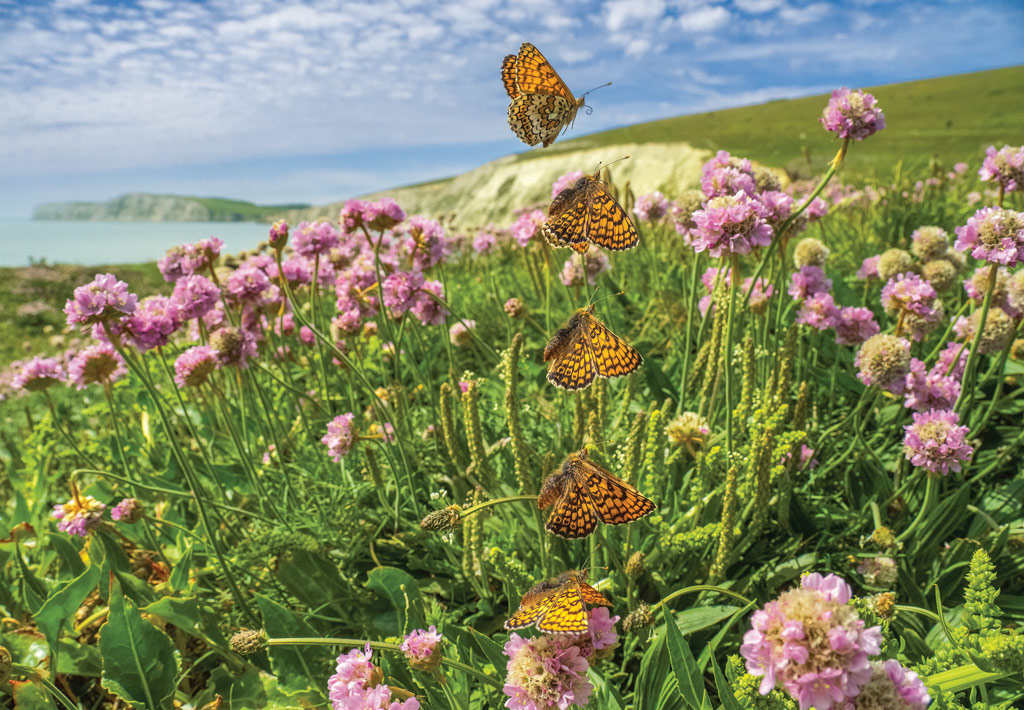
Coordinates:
x,y
584,349
541,102
584,493
586,212
558,605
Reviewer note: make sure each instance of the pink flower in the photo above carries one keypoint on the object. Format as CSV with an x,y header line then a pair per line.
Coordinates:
x,y
869,268
427,242
936,441
422,648
459,335
992,234
884,360
340,436
356,685
957,352
195,296
572,270
103,299
760,293
809,281
730,224
247,283
817,209
527,226
913,300
278,235
313,239
484,242
297,271
725,175
566,181
930,389
153,323
1005,166
852,114
96,363
651,207
399,290
128,511
37,374
819,311
854,326
195,365
776,206
79,515
545,672
428,310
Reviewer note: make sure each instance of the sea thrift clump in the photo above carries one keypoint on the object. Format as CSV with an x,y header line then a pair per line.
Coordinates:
x,y
573,272
884,360
194,366
399,291
854,325
936,441
819,311
914,301
153,323
1005,166
103,299
651,206
724,175
852,114
545,672
892,687
38,374
993,234
810,252
128,511
340,436
811,642
195,296
929,243
730,224
930,389
79,515
869,268
894,261
313,239
422,648
998,332
459,335
527,226
96,363
564,182
809,281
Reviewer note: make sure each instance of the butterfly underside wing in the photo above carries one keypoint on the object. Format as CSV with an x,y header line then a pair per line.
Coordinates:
x,y
585,349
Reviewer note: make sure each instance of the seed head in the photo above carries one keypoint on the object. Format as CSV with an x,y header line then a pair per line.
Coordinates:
x,y
810,252
636,565
892,262
247,642
940,273
442,520
638,619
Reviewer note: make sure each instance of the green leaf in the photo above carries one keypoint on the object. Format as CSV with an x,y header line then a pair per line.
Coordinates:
x,y
725,693
68,554
181,612
63,602
400,588
297,667
33,593
689,621
180,573
684,665
139,665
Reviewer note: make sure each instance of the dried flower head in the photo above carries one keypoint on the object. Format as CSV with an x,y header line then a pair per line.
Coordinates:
x,y
883,537
247,642
998,333
884,360
688,429
879,571
636,565
515,308
810,252
639,618
442,520
894,261
929,243
854,325
940,273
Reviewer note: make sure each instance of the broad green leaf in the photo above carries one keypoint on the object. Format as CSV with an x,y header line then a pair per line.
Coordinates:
x,y
689,621
29,695
298,668
77,658
33,593
400,588
684,665
180,573
181,612
63,602
725,693
139,664
68,554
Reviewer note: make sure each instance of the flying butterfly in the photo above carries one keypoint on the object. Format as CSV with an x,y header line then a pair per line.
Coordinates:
x,y
585,213
584,349
583,493
542,104
558,605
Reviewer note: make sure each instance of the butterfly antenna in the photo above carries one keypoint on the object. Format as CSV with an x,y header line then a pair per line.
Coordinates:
x,y
595,89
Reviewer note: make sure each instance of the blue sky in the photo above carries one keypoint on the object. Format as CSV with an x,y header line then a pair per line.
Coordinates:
x,y
317,101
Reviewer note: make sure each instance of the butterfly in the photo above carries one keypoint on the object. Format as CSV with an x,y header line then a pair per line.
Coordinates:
x,y
584,493
541,102
585,213
558,605
584,349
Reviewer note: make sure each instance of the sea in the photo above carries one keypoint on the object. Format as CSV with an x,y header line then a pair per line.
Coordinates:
x,y
24,241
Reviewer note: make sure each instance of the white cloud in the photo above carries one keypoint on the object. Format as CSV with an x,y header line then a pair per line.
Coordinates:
x,y
803,15
757,7
622,13
704,19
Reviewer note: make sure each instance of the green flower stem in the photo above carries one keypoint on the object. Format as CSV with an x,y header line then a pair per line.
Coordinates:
x,y
966,398
926,505
269,416
67,435
382,646
117,429
314,306
691,309
699,588
488,503
727,360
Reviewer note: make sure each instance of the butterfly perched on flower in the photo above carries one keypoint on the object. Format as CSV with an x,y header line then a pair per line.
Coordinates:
x,y
541,102
583,493
558,605
584,349
587,213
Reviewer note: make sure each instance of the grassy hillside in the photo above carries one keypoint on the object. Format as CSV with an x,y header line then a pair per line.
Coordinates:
x,y
149,207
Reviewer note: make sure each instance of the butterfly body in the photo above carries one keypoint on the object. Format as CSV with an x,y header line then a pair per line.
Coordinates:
x,y
585,349
557,605
588,213
583,493
542,105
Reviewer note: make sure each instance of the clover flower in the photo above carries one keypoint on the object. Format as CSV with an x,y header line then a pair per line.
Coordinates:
x,y
868,268
128,511
422,648
527,226
892,687
915,301
724,175
340,436
936,441
854,325
195,296
459,335
573,270
96,363
929,243
79,515
312,239
194,366
852,114
730,224
1004,166
564,182
993,234
807,282
810,252
884,360
930,389
37,374
818,311
651,207
811,642
101,300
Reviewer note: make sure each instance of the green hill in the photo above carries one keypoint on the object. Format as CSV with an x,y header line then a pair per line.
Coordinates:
x,y
147,207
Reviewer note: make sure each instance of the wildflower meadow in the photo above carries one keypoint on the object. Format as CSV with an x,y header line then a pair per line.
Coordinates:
x,y
768,457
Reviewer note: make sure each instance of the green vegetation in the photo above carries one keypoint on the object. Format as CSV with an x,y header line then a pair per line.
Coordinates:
x,y
225,210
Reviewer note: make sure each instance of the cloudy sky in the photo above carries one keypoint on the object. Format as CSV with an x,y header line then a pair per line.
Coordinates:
x,y
316,101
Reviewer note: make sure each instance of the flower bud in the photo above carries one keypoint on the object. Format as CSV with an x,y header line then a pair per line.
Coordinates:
x,y
127,511
515,308
278,235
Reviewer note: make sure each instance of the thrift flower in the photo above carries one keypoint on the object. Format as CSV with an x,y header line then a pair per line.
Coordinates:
x,y
651,206
515,308
809,281
128,511
340,437
879,571
194,366
195,296
564,182
941,274
894,261
892,687
103,299
884,360
930,389
682,213
929,243
399,290
852,114
868,268
428,310
38,374
545,672
357,685
1004,166
79,515
954,352
915,302
247,283
760,293
527,226
854,325
96,363
992,234
423,649
998,332
936,441
810,252
730,224
153,323
484,242
459,335
278,235
776,206
234,346
312,239
819,311
724,175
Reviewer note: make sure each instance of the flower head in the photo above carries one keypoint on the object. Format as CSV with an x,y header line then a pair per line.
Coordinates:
x,y
400,289
651,207
423,649
357,685
313,239
247,283
195,296
892,262
993,234
128,511
527,226
929,243
688,429
234,346
515,308
879,571
682,213
38,374
278,235
915,301
869,268
941,274
892,687
852,114
195,365
340,436
810,252
426,308
936,441
573,271
96,363
854,325
760,293
930,389
726,175
153,323
545,672
884,360
818,311
79,515
459,335
730,224
997,334
809,281
103,299
1004,166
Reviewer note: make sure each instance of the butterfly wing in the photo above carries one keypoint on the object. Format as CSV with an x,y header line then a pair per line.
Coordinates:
x,y
535,75
529,615
615,501
537,118
575,515
508,75
568,223
575,367
613,356
610,226
566,613
592,596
